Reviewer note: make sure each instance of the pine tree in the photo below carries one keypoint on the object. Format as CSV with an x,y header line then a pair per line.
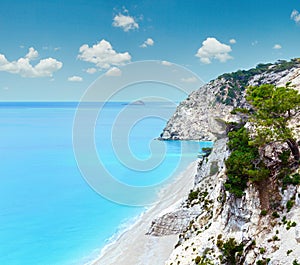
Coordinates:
x,y
273,109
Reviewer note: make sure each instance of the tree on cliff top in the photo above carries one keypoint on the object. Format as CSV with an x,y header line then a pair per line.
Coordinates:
x,y
274,107
272,110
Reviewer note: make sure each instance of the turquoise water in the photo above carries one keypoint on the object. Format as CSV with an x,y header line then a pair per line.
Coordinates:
x,y
48,213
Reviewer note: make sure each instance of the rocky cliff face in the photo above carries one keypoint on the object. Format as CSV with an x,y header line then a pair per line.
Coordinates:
x,y
203,114
177,221
211,217
266,240
272,239
213,225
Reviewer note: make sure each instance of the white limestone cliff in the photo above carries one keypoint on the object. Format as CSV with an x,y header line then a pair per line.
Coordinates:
x,y
212,216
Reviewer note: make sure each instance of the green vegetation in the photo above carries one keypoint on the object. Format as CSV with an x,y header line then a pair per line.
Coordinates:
x,y
243,163
285,170
295,262
243,76
289,205
284,219
262,250
290,224
197,259
203,261
193,195
275,215
237,81
200,196
263,262
263,212
291,180
207,150
231,251
272,109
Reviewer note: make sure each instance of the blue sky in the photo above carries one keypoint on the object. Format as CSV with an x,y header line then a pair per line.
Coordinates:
x,y
208,37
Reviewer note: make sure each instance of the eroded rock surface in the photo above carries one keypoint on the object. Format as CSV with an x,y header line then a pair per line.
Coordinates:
x,y
212,216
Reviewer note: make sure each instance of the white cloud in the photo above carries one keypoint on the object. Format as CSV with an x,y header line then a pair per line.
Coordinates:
x,y
23,66
166,63
277,47
213,49
114,71
75,78
32,54
91,70
191,79
125,22
147,42
103,55
232,41
295,16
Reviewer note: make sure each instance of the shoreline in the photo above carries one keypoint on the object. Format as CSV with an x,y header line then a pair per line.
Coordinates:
x,y
133,246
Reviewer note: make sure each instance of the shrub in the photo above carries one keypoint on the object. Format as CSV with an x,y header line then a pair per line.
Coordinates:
x,y
295,262
262,250
261,262
263,212
290,224
275,215
240,164
207,150
193,195
197,259
291,180
284,219
289,205
231,249
219,243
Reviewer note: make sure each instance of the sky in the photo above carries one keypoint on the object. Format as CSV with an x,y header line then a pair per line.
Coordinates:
x,y
54,50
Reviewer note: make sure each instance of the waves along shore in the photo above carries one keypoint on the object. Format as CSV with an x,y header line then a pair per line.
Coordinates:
x,y
136,247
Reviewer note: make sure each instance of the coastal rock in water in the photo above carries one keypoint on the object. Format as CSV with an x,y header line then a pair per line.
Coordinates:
x,y
202,116
197,118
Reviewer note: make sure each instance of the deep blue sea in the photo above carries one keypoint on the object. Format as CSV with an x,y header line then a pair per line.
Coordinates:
x,y
49,215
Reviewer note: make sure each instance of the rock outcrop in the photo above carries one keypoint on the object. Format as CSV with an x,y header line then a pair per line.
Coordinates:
x,y
203,114
177,221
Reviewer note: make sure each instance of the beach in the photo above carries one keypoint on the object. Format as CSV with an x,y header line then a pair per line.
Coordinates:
x,y
134,247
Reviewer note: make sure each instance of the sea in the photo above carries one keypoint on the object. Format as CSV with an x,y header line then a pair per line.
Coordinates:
x,y
49,214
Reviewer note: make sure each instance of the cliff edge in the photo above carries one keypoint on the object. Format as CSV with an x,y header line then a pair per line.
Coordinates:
x,y
213,225
203,114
